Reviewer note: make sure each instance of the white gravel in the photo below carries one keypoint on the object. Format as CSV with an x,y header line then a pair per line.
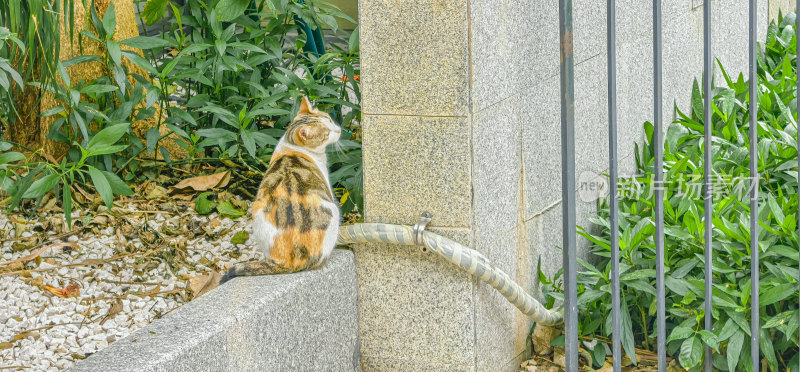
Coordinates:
x,y
43,332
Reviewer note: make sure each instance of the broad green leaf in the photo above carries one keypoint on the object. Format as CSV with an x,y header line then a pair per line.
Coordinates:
x,y
249,142
41,186
103,150
776,210
103,187
217,134
589,296
147,42
734,349
709,339
110,20
185,116
4,83
691,352
353,42
114,52
118,186
642,285
674,133
139,61
154,10
228,10
23,185
728,330
767,349
697,101
13,73
777,293
627,332
66,201
638,274
226,208
240,237
558,341
108,136
679,286
202,205
679,333
11,157
152,140
99,88
780,319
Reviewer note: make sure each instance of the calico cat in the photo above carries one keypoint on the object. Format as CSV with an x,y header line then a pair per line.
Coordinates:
x,y
295,215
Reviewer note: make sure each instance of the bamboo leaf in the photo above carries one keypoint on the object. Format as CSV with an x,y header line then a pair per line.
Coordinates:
x,y
103,187
41,186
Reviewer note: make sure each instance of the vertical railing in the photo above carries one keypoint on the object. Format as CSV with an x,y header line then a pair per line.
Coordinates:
x,y
658,183
568,185
707,169
755,327
568,181
611,33
797,69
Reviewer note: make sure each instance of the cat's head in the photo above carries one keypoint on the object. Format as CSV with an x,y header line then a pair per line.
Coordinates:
x,y
312,129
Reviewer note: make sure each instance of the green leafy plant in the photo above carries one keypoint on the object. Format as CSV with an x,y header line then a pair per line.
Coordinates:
x,y
93,119
238,78
7,73
223,79
39,24
684,228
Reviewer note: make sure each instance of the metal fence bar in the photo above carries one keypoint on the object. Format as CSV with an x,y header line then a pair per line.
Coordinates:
x,y
658,153
797,68
611,41
568,186
754,179
707,57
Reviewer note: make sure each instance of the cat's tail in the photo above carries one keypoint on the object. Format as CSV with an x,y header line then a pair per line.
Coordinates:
x,y
264,267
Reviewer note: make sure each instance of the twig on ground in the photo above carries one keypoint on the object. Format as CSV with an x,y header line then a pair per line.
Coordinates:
x,y
89,262
39,252
52,238
124,282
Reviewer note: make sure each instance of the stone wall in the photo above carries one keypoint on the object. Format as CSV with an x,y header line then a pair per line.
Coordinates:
x,y
306,321
462,119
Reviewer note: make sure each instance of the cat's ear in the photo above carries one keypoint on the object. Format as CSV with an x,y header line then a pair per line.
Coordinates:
x,y
305,106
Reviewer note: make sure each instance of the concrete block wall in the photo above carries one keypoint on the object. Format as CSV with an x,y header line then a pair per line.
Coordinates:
x,y
306,321
462,119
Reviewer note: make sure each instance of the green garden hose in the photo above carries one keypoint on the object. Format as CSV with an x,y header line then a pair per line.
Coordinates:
x,y
467,259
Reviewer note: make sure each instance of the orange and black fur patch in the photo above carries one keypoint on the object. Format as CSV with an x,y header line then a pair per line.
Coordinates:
x,y
290,200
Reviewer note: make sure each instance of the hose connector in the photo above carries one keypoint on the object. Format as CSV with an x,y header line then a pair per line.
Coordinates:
x,y
419,228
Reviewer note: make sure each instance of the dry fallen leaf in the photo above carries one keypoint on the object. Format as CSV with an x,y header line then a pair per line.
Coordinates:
x,y
203,183
214,223
72,291
115,309
607,367
153,292
157,192
204,283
